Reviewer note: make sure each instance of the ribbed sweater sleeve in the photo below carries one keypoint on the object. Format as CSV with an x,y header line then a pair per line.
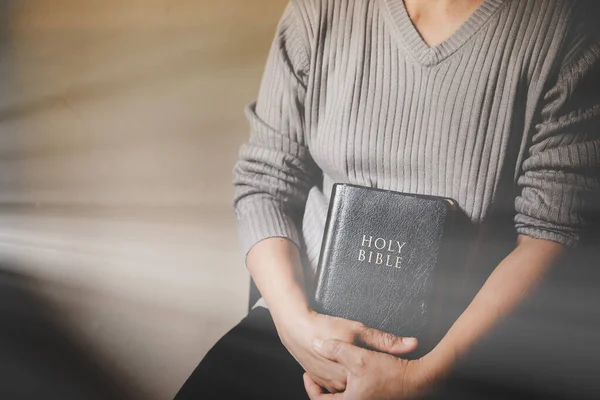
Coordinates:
x,y
275,171
560,182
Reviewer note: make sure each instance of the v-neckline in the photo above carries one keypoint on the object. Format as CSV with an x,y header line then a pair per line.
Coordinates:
x,y
426,55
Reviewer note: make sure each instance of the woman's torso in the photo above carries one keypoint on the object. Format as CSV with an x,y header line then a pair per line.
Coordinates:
x,y
384,110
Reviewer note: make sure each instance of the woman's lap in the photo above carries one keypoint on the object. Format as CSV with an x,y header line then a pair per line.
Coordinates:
x,y
249,362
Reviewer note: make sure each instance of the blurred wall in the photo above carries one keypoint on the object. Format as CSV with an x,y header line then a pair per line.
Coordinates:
x,y
120,122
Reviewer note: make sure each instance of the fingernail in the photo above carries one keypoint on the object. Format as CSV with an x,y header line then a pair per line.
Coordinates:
x,y
318,343
409,341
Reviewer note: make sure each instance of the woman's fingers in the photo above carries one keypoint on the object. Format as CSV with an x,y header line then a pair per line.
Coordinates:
x,y
331,386
316,392
346,354
385,342
313,390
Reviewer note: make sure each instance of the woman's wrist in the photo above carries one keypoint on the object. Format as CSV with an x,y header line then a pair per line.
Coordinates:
x,y
290,323
291,312
289,306
438,363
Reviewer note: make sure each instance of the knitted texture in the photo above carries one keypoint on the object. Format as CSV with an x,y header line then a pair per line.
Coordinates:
x,y
506,108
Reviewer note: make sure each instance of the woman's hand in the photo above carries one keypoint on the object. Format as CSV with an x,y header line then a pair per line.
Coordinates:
x,y
277,270
372,375
299,332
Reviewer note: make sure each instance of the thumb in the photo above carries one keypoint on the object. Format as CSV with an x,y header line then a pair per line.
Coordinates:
x,y
385,342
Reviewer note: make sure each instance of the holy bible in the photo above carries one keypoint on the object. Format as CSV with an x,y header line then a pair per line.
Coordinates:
x,y
383,260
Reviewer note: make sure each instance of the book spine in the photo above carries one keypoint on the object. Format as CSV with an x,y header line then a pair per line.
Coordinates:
x,y
333,216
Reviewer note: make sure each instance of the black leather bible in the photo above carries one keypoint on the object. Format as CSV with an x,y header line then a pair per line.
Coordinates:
x,y
383,260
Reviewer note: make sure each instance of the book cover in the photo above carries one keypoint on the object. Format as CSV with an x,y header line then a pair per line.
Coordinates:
x,y
383,260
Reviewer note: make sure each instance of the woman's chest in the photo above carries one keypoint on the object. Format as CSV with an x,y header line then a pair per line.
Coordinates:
x,y
392,124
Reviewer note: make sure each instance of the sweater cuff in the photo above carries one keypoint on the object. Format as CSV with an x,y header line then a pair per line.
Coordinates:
x,y
260,220
570,240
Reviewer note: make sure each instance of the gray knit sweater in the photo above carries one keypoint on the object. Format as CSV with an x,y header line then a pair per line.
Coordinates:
x,y
506,108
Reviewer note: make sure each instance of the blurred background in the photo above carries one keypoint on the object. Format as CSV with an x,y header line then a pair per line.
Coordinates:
x,y
120,122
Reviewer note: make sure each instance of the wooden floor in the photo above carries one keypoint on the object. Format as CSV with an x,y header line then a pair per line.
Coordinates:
x,y
120,122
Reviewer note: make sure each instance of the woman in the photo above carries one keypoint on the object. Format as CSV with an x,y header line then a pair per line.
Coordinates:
x,y
489,102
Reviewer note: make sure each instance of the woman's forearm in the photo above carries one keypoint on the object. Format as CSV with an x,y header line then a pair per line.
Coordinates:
x,y
510,282
275,266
